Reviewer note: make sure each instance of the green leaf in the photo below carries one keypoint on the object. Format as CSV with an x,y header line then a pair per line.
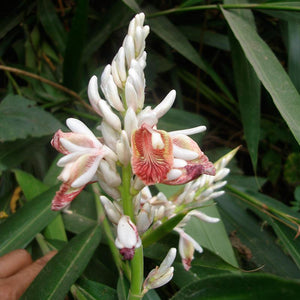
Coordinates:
x,y
287,237
242,287
212,236
96,291
177,40
268,69
14,153
20,228
83,213
293,52
248,89
253,239
76,41
31,187
132,4
20,118
54,281
122,287
51,23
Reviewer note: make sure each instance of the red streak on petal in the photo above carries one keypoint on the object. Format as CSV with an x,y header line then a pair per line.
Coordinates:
x,y
64,196
149,164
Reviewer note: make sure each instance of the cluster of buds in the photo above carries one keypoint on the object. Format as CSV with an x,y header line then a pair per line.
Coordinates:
x,y
130,137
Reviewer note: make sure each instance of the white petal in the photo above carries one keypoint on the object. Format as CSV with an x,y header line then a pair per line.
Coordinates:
x,y
71,147
93,93
156,140
123,149
120,62
129,49
174,174
221,174
115,74
69,158
179,163
112,178
126,233
110,117
164,106
110,135
79,127
202,216
131,96
130,122
184,153
189,131
167,262
88,175
113,95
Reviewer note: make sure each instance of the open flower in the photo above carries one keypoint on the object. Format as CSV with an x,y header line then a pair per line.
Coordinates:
x,y
83,153
170,158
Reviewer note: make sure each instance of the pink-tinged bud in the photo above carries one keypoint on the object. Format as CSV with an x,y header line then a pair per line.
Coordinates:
x,y
152,155
127,238
83,153
197,163
187,247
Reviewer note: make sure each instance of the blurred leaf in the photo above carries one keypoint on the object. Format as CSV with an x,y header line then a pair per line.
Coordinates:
x,y
248,88
82,213
7,23
293,52
116,17
212,236
95,291
177,40
287,237
52,25
269,71
254,239
151,295
242,287
132,4
210,38
76,41
20,228
191,3
54,281
19,118
291,169
177,119
14,153
122,287
283,14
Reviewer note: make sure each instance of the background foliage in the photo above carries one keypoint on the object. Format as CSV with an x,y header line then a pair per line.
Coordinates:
x,y
235,68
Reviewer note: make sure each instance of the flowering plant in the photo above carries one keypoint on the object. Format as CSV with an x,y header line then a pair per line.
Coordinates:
x,y
131,155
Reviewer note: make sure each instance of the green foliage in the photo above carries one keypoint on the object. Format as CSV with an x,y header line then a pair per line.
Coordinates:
x,y
236,70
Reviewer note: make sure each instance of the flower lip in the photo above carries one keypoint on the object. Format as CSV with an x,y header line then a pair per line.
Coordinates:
x,y
152,157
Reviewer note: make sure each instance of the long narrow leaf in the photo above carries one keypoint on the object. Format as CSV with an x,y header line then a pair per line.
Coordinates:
x,y
248,89
19,230
75,44
54,281
269,71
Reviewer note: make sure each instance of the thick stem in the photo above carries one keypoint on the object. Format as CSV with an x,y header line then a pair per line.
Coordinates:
x,y
137,275
125,191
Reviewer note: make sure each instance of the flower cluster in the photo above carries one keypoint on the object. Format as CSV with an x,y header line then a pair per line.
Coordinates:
x,y
131,146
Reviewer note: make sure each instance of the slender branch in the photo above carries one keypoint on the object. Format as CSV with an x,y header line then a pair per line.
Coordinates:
x,y
126,194
225,6
49,82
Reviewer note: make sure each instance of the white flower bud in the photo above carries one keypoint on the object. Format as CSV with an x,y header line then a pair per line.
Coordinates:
x,y
127,238
93,94
110,117
130,122
161,275
123,149
163,107
111,210
110,135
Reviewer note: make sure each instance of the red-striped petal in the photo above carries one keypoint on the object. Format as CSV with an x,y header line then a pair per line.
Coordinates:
x,y
149,164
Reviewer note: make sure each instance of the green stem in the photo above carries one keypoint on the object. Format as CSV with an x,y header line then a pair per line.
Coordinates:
x,y
42,243
110,237
137,275
125,191
225,6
